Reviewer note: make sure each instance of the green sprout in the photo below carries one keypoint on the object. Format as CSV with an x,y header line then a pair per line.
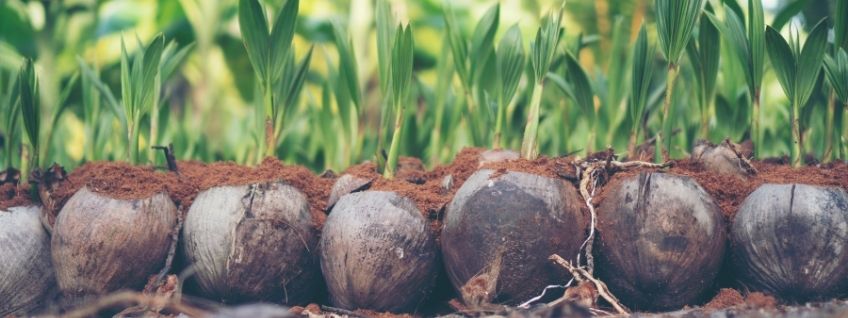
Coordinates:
x,y
30,108
640,84
401,75
578,88
272,57
704,55
748,43
542,52
348,93
836,70
797,71
11,110
510,65
675,22
470,59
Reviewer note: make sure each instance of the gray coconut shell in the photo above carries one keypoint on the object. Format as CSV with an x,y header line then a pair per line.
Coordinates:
x,y
791,241
26,272
252,243
101,244
661,241
512,222
377,252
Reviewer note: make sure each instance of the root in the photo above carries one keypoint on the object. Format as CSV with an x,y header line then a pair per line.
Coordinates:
x,y
166,302
581,275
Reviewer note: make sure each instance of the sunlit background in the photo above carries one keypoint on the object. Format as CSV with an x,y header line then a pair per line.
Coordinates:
x,y
209,111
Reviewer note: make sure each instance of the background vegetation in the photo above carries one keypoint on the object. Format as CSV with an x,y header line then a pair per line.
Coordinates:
x,y
210,93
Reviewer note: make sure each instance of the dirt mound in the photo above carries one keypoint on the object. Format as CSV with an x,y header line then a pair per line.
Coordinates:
x,y
12,195
124,181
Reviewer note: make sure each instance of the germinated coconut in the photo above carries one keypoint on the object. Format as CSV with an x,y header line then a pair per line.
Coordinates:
x,y
26,272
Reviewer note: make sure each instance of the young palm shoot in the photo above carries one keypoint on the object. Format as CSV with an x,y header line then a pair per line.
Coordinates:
x,y
797,71
271,55
140,80
675,23
348,93
578,88
401,75
836,70
542,52
30,108
640,84
470,59
704,55
748,42
510,65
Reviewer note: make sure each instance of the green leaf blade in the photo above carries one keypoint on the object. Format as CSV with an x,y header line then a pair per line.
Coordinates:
x,y
254,29
782,60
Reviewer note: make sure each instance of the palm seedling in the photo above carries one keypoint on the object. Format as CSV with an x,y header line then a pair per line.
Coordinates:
x,y
704,55
348,93
836,70
578,88
747,41
30,108
510,65
400,70
797,71
542,52
642,73
272,57
675,23
470,60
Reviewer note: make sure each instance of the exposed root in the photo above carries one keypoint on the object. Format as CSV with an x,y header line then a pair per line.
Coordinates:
x,y
581,275
161,301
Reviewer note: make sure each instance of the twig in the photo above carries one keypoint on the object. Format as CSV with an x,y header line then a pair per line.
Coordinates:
x,y
169,157
340,311
745,163
599,285
172,251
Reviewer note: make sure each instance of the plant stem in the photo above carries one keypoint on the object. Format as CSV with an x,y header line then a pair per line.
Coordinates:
x,y
496,139
669,92
132,132
705,119
270,139
25,164
829,133
529,148
154,131
391,161
796,136
755,127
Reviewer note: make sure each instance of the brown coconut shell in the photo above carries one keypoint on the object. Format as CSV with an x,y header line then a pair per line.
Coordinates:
x,y
378,253
791,241
505,225
26,272
661,241
253,243
101,244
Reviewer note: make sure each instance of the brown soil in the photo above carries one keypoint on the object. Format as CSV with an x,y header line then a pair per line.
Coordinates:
x,y
12,196
559,167
729,190
726,298
423,187
124,181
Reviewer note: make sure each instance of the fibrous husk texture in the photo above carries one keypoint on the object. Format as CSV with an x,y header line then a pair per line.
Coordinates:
x,y
253,243
791,241
101,244
505,225
378,252
26,272
661,240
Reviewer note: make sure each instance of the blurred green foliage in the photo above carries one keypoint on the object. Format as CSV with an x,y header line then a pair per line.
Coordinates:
x,y
208,106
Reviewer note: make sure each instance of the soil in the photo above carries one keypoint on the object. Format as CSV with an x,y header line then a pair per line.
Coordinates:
x,y
124,181
558,167
423,187
12,196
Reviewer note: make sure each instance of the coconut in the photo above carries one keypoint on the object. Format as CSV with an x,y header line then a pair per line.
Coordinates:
x,y
378,252
791,241
27,273
101,244
723,158
661,241
252,243
501,228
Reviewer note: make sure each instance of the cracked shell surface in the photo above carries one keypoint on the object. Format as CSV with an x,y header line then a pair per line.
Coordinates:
x,y
101,244
661,241
378,253
791,241
252,243
26,271
512,221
